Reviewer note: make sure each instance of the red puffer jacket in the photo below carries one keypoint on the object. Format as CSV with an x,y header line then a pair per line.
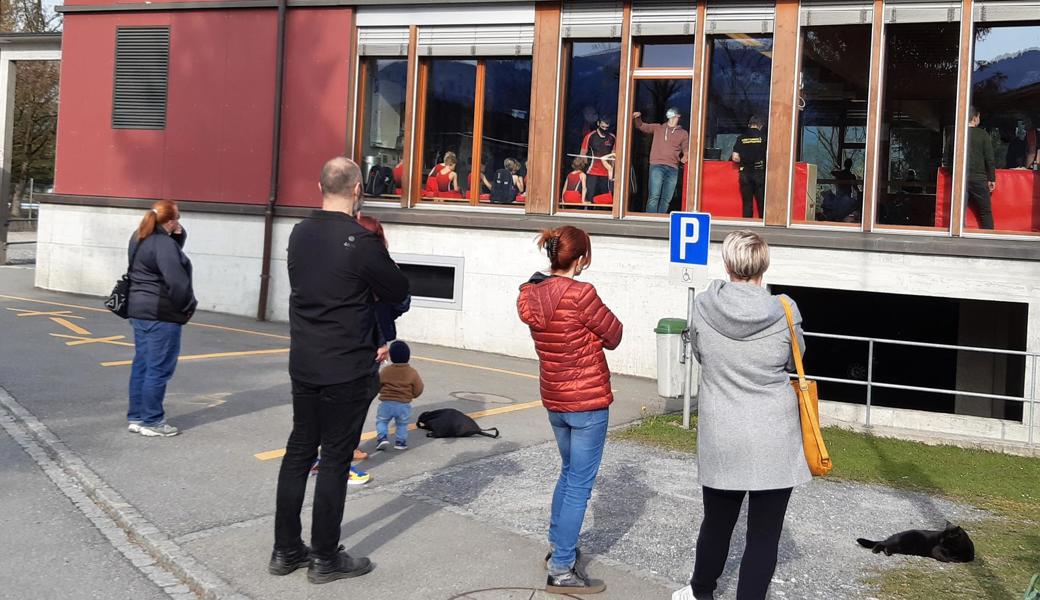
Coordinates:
x,y
571,326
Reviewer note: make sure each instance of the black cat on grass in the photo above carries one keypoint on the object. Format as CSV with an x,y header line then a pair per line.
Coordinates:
x,y
945,545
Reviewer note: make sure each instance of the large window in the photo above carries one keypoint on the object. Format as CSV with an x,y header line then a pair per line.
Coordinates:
x,y
918,124
590,110
832,125
382,124
475,129
1006,91
660,141
733,185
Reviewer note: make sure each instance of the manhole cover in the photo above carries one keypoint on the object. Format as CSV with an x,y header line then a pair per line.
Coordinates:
x,y
482,397
511,593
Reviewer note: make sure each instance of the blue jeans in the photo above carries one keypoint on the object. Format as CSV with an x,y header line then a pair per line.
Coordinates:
x,y
157,345
580,437
662,187
399,413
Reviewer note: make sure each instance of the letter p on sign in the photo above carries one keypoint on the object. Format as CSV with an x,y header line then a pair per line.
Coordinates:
x,y
688,238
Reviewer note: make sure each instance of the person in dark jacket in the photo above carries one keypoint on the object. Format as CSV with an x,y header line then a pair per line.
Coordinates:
x,y
161,302
571,327
336,269
982,172
750,154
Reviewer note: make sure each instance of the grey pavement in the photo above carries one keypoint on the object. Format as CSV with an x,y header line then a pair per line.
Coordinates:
x,y
446,519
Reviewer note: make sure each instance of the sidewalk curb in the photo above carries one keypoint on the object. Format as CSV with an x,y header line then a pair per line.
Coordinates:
x,y
150,551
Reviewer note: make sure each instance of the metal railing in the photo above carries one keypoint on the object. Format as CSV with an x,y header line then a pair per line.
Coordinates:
x,y
1032,361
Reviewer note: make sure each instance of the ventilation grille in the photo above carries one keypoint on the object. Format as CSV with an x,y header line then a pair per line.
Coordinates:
x,y
142,69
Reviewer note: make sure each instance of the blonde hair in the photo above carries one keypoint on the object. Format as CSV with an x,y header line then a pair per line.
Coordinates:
x,y
511,164
745,254
450,159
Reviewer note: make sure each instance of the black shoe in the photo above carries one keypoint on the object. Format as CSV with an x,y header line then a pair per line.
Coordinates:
x,y
285,562
573,582
340,566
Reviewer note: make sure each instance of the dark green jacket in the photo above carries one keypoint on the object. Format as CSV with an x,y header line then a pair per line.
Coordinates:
x,y
980,156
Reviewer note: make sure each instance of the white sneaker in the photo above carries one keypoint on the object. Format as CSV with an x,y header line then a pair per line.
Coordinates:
x,y
133,426
684,593
161,430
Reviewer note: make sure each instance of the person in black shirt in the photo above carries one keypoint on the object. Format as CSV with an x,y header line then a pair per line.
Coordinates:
x,y
750,153
982,173
336,270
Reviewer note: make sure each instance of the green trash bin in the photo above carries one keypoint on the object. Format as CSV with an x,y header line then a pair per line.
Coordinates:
x,y
670,372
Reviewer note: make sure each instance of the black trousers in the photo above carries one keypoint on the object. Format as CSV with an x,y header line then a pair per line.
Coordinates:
x,y
753,187
979,199
598,184
331,417
766,510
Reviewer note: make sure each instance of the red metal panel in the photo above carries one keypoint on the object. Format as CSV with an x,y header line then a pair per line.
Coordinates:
x,y
314,102
217,142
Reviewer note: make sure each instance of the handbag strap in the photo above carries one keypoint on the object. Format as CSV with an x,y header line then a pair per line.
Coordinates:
x,y
795,348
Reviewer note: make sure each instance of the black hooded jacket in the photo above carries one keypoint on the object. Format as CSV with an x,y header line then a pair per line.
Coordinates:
x,y
160,278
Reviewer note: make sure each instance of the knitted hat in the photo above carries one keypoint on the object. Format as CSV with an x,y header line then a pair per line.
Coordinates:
x,y
400,353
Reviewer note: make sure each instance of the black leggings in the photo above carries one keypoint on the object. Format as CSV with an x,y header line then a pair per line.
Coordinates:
x,y
766,511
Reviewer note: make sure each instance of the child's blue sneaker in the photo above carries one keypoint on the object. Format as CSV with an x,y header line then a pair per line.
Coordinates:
x,y
400,445
382,442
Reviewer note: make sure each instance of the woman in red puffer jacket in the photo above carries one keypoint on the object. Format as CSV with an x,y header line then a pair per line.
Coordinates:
x,y
571,326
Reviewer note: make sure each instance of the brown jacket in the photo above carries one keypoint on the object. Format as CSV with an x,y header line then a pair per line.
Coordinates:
x,y
669,145
400,383
571,326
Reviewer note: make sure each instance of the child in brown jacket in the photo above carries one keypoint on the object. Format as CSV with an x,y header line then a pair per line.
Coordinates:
x,y
399,385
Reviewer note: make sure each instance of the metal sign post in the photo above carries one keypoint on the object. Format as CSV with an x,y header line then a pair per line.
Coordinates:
x,y
688,238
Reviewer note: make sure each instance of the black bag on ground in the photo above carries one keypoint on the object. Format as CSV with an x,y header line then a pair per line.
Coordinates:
x,y
380,180
448,422
503,190
119,300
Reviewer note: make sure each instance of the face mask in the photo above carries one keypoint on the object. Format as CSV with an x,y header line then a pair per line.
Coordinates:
x,y
603,127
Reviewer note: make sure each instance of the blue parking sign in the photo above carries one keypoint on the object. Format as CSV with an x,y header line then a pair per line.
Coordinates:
x,y
688,237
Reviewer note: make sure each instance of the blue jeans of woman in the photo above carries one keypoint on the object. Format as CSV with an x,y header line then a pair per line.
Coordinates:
x,y
580,437
157,344
661,189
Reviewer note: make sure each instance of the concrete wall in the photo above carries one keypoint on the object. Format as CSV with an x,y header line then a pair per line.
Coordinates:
x,y
82,250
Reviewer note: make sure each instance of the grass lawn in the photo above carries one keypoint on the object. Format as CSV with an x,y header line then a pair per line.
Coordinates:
x,y
1007,548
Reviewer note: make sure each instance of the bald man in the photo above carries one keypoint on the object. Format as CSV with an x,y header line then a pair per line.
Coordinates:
x,y
336,268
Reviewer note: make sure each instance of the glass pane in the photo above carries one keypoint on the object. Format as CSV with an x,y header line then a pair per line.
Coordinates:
x,y
382,138
1006,91
587,172
660,145
448,135
917,125
507,102
738,111
832,125
667,54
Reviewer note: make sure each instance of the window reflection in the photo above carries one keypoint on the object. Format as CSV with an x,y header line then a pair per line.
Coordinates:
x,y
738,94
1006,91
918,120
588,130
660,145
507,102
828,177
666,53
382,144
448,133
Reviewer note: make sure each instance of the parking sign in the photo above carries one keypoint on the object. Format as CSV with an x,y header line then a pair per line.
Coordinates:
x,y
689,234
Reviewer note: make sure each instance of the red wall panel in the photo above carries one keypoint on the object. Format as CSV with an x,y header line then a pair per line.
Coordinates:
x,y
314,102
217,141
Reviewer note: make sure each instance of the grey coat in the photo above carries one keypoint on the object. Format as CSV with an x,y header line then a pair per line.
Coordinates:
x,y
748,432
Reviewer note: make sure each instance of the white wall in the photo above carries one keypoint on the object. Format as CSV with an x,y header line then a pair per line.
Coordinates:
x,y
82,250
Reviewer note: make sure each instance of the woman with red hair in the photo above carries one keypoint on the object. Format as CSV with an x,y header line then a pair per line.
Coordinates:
x,y
571,327
161,301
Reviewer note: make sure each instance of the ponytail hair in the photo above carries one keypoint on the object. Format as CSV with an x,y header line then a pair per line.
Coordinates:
x,y
162,212
566,246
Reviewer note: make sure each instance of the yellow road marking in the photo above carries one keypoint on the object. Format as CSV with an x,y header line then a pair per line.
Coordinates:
x,y
70,326
371,435
49,303
249,331
479,367
188,357
80,340
36,313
